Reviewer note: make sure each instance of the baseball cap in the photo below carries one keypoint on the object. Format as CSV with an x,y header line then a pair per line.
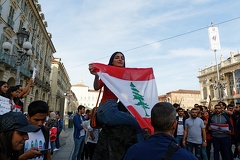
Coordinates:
x,y
16,121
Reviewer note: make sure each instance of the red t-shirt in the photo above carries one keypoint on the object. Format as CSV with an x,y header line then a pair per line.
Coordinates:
x,y
107,93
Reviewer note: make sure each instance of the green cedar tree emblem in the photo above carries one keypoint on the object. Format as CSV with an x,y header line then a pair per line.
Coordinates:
x,y
140,99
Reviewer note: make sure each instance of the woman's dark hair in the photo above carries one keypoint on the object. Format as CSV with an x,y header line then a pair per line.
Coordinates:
x,y
1,84
37,107
10,90
112,58
18,86
6,150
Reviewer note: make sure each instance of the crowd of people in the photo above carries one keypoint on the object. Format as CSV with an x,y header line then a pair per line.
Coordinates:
x,y
178,134
208,127
27,135
15,94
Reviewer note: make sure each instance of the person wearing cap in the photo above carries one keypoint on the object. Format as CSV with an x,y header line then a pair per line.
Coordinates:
x,y
38,142
14,128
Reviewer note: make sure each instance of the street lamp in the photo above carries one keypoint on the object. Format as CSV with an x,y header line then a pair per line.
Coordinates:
x,y
23,52
215,45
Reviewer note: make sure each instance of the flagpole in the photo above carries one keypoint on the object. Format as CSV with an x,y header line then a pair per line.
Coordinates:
x,y
218,78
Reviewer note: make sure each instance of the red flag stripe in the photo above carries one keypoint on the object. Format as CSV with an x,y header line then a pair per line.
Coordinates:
x,y
143,122
131,74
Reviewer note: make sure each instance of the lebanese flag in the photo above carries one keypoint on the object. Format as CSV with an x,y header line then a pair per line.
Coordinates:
x,y
134,87
219,127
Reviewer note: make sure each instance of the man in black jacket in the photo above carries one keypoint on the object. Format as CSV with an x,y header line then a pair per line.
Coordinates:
x,y
178,134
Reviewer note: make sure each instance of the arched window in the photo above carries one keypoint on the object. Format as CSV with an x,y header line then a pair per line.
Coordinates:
x,y
212,91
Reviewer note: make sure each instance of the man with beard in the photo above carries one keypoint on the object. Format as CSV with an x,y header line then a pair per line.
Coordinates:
x,y
237,127
220,126
194,134
179,131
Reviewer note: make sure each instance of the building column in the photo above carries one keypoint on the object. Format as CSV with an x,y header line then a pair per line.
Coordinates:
x,y
234,81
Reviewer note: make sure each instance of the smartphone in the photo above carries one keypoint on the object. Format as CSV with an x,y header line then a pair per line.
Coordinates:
x,y
44,150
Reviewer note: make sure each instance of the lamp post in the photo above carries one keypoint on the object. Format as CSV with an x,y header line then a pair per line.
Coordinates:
x,y
23,52
220,84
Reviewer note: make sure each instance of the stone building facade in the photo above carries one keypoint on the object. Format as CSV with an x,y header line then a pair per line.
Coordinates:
x,y
60,86
186,98
86,97
52,83
14,16
227,89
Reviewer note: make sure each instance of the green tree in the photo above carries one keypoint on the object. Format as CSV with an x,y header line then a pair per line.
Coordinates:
x,y
140,98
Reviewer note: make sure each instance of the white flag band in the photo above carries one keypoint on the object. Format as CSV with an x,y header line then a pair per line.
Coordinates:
x,y
134,87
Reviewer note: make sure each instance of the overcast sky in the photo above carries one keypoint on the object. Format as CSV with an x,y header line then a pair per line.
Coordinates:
x,y
150,33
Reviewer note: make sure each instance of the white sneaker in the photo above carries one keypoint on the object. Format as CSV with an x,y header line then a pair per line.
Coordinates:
x,y
56,149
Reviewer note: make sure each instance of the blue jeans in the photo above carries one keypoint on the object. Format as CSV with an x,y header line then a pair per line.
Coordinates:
x,y
197,148
52,146
109,114
78,146
179,139
221,145
57,143
204,153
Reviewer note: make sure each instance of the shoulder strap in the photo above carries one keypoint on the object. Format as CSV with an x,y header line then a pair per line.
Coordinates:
x,y
172,148
46,136
100,90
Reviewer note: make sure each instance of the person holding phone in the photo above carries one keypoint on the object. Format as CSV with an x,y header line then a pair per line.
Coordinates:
x,y
14,128
37,147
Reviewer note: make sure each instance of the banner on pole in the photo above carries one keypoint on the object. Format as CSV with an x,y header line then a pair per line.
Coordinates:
x,y
214,38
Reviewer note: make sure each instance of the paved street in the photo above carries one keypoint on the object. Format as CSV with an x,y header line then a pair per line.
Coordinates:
x,y
67,145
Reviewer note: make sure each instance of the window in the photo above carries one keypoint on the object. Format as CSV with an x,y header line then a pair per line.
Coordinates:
x,y
10,17
231,84
212,91
204,93
237,77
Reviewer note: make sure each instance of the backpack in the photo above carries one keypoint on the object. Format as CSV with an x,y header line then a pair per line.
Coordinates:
x,y
172,148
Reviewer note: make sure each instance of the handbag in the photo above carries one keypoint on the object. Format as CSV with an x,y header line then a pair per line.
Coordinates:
x,y
93,121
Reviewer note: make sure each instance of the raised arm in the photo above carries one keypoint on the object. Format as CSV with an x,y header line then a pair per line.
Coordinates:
x,y
96,83
26,89
210,104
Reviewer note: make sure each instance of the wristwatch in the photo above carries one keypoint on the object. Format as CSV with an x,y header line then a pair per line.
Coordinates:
x,y
204,140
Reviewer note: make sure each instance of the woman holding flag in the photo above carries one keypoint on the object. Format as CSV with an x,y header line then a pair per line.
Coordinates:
x,y
108,112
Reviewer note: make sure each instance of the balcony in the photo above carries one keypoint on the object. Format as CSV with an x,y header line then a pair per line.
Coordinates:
x,y
46,86
38,81
58,94
8,60
25,71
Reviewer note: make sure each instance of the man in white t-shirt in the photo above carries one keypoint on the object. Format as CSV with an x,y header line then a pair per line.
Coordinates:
x,y
37,147
194,134
179,131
